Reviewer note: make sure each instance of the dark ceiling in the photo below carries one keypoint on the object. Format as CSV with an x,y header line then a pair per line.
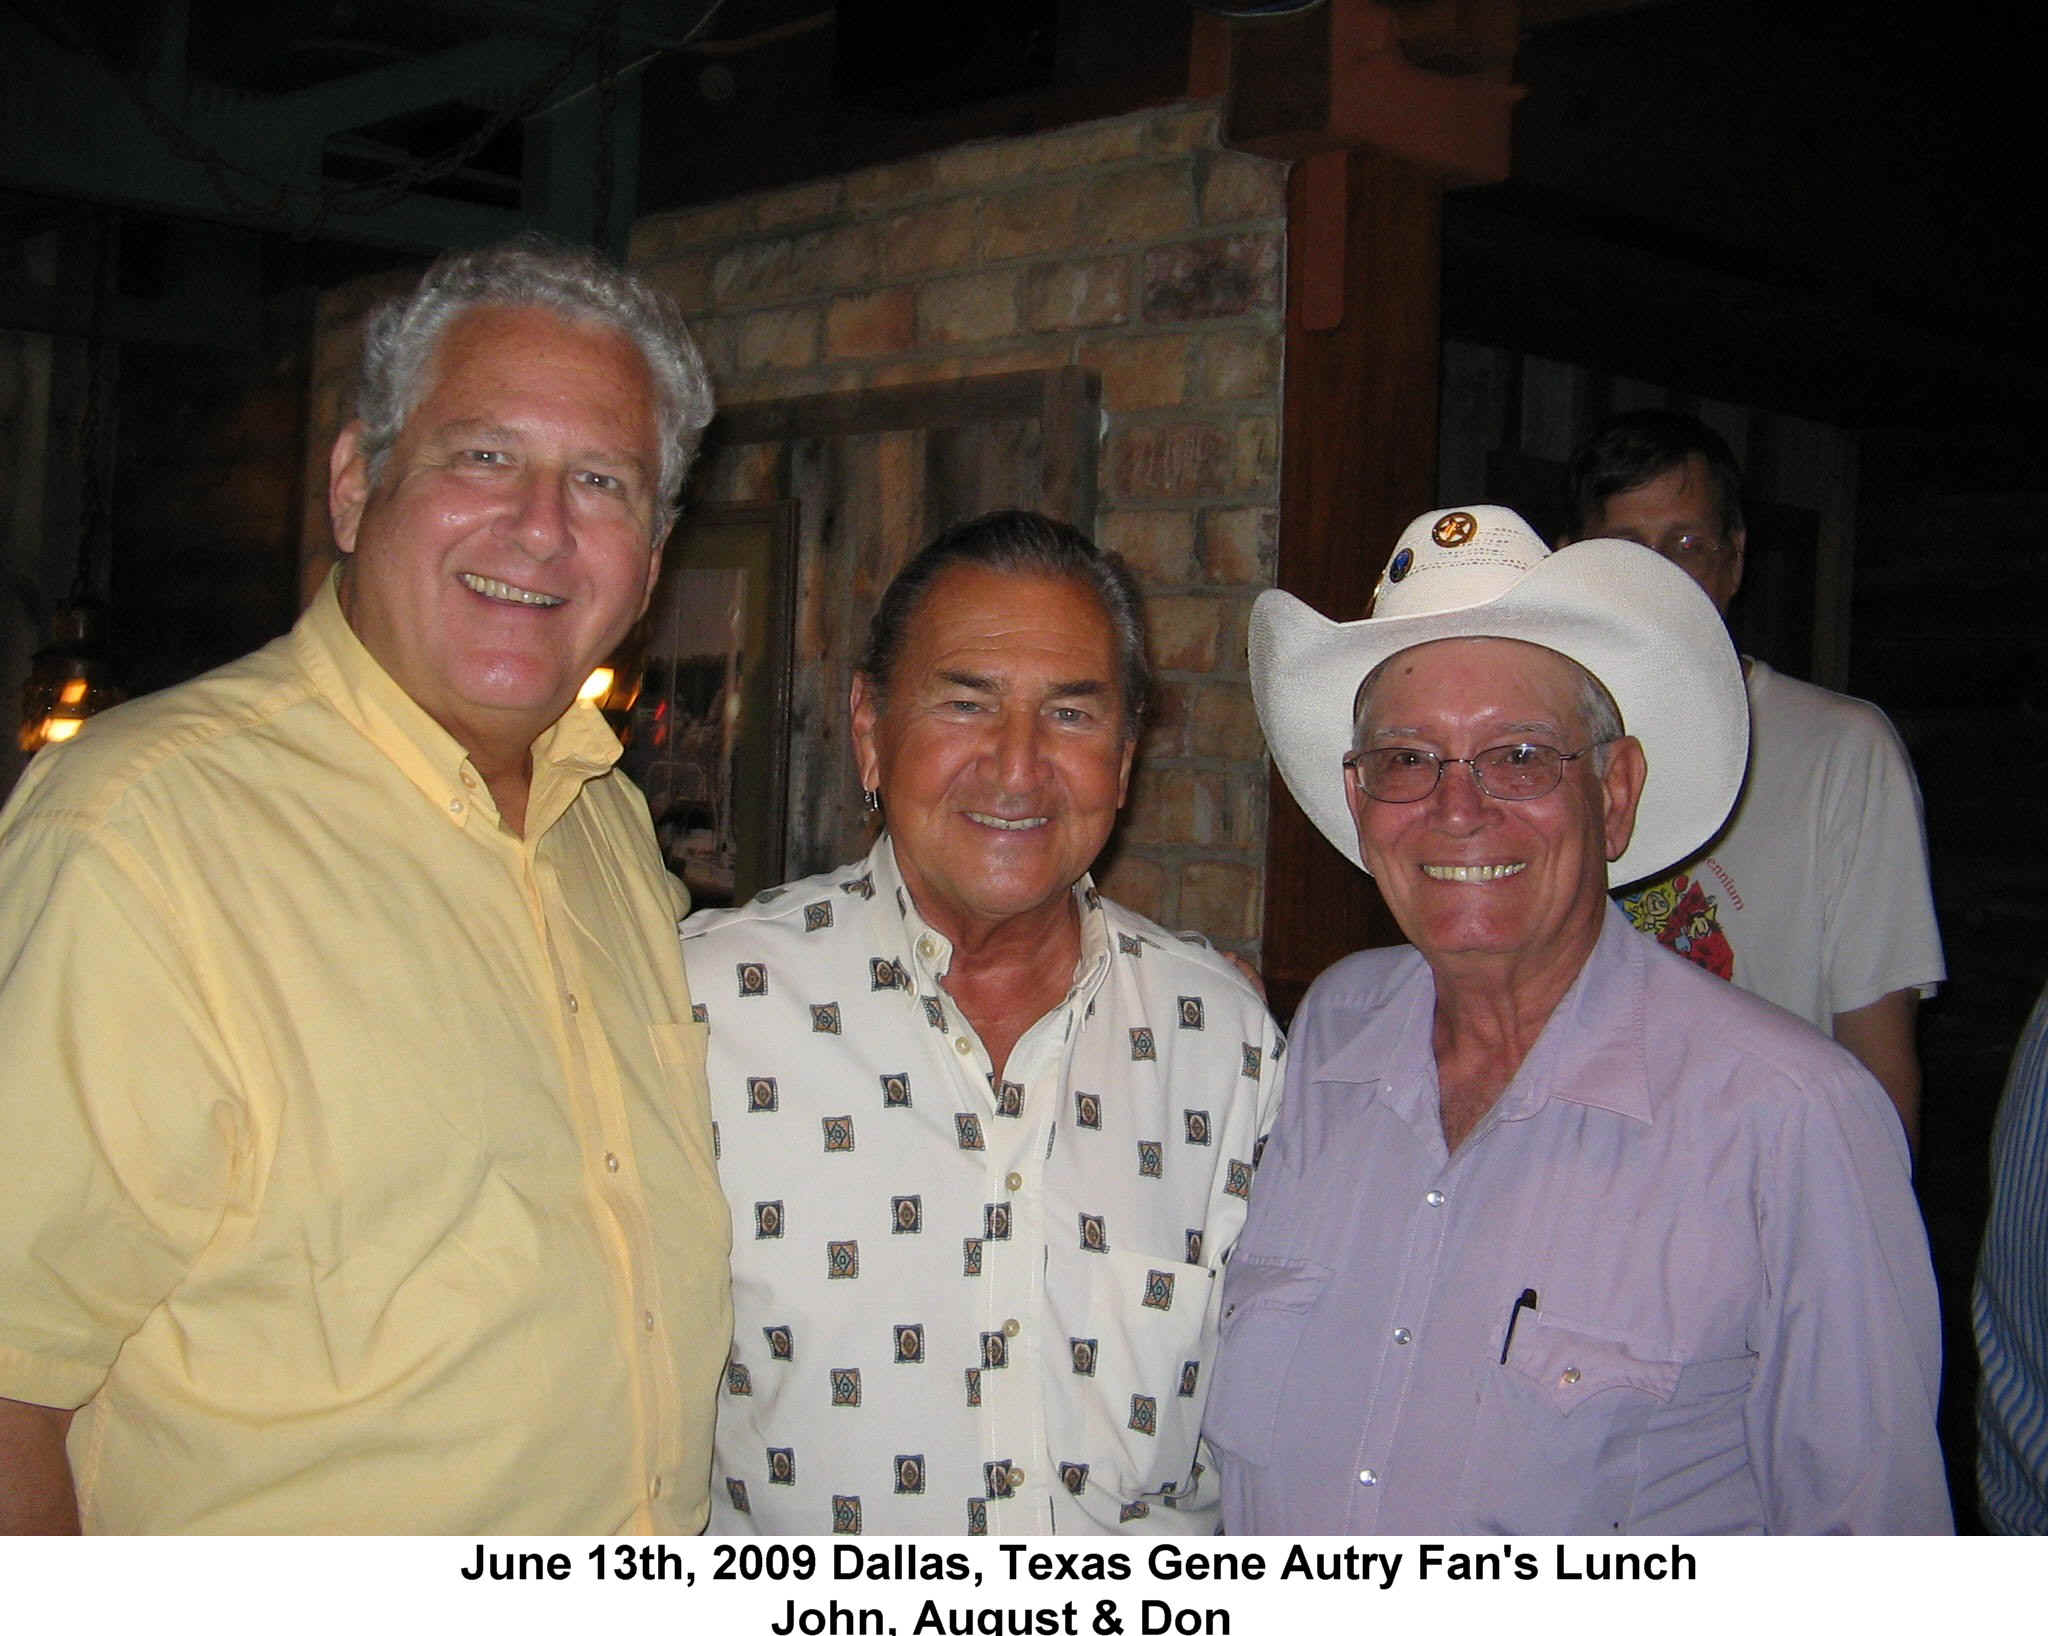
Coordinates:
x,y
1793,205
1797,204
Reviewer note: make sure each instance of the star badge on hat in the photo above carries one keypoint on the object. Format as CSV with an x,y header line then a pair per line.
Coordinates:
x,y
1454,528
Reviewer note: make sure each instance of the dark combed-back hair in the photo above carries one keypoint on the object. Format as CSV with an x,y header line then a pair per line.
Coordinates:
x,y
533,270
1019,542
1629,450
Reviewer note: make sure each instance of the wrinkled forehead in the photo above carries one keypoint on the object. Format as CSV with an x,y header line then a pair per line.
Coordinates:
x,y
1006,610
1470,675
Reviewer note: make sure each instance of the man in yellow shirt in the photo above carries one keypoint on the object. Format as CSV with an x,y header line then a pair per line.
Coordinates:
x,y
359,1171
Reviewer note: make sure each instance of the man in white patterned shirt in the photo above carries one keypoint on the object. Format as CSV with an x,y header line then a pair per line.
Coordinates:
x,y
986,1135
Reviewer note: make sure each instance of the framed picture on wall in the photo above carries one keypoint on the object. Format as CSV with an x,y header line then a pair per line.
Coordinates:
x,y
707,732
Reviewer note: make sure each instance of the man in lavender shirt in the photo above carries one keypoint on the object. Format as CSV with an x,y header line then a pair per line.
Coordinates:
x,y
1555,1233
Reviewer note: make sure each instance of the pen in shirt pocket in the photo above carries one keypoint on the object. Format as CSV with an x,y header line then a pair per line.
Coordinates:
x,y
1526,1299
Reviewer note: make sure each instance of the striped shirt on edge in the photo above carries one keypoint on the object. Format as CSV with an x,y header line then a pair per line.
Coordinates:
x,y
2009,1306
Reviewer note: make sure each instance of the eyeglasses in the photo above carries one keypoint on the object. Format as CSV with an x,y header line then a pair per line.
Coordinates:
x,y
1689,547
1507,772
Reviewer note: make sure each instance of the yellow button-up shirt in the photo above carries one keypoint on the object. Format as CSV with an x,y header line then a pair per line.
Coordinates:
x,y
358,1169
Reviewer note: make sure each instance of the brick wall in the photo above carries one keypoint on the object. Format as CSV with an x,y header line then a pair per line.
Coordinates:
x,y
1136,247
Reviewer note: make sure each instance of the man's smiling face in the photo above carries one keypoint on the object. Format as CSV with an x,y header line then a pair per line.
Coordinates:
x,y
506,544
1000,748
1466,874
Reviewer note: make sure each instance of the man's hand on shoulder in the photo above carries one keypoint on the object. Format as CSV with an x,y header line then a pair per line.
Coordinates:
x,y
36,1494
1251,972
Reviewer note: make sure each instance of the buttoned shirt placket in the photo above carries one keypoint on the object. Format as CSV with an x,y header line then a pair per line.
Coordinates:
x,y
596,1108
1013,1311
1434,1237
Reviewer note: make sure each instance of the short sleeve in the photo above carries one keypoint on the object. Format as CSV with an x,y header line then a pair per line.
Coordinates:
x,y
1881,930
115,1108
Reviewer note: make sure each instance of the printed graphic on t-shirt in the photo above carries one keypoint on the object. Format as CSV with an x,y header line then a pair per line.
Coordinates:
x,y
1681,916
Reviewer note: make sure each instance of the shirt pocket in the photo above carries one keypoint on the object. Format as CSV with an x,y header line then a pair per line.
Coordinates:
x,y
1642,1432
679,1046
1572,1369
1127,1396
1563,1431
680,1062
1267,1301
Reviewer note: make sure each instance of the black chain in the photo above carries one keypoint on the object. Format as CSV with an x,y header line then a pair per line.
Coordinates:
x,y
95,452
607,110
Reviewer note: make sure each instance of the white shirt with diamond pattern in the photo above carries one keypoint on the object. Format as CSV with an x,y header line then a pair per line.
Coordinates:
x,y
963,1307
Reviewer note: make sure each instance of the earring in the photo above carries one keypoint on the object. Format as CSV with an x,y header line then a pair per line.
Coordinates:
x,y
871,799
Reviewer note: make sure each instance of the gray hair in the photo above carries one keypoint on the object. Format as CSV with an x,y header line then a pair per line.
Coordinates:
x,y
1020,542
534,271
1599,715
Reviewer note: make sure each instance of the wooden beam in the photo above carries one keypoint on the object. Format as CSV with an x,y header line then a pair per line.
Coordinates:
x,y
1380,105
1426,83
1358,461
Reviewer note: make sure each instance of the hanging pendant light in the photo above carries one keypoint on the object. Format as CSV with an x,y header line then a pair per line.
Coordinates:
x,y
71,675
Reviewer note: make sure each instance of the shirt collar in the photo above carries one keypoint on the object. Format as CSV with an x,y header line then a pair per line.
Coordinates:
x,y
574,749
1591,1051
1397,1058
931,951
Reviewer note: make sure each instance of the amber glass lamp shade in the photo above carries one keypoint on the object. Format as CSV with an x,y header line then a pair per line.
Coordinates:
x,y
69,678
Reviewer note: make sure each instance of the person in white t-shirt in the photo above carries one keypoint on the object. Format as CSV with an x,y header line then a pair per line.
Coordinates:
x,y
1815,895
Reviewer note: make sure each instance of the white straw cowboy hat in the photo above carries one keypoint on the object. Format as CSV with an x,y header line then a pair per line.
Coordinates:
x,y
1637,622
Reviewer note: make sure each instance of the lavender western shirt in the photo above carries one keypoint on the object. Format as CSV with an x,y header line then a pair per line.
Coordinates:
x,y
1729,1322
